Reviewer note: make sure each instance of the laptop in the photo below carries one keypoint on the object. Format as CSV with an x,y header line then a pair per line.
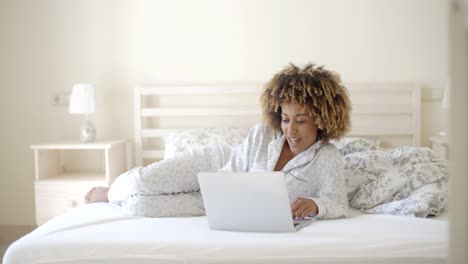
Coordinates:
x,y
248,201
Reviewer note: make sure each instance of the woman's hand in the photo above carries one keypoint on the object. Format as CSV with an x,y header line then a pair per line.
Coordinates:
x,y
303,207
97,195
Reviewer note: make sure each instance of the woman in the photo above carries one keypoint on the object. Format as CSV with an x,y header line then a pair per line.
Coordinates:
x,y
303,109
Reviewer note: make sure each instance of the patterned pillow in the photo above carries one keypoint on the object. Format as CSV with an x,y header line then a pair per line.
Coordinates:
x,y
178,141
349,145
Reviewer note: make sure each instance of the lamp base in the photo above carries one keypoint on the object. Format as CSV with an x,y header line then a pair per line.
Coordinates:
x,y
88,132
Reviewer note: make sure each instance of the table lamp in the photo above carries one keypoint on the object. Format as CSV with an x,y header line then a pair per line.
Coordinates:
x,y
82,102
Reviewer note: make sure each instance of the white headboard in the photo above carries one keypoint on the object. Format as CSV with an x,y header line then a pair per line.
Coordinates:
x,y
390,112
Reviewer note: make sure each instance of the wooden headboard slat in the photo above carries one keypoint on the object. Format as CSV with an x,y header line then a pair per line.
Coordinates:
x,y
390,111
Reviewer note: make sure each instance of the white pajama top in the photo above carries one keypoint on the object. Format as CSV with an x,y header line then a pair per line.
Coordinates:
x,y
317,173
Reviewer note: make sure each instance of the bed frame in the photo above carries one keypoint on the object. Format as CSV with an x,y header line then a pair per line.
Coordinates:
x,y
81,235
390,112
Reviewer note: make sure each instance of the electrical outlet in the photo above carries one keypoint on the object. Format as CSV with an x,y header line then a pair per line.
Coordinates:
x,y
61,99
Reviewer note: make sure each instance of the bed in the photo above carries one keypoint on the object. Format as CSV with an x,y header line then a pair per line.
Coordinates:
x,y
168,119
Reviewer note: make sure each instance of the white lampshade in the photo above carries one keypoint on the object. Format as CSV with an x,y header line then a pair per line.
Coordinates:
x,y
82,99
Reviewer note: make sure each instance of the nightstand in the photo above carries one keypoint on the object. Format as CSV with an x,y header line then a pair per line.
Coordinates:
x,y
66,171
440,146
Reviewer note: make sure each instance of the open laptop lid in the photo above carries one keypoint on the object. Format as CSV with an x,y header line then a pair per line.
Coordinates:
x,y
252,202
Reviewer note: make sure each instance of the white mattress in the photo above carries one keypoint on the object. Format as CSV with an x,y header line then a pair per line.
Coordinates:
x,y
99,233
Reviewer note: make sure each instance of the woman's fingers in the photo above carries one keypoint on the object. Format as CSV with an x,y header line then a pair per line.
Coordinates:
x,y
298,207
303,208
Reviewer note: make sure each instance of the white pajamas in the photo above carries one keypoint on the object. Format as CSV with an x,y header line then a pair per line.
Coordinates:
x,y
170,187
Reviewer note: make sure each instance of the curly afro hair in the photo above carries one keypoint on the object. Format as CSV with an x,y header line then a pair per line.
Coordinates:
x,y
318,90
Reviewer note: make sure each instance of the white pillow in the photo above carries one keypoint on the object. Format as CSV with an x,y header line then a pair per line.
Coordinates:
x,y
178,141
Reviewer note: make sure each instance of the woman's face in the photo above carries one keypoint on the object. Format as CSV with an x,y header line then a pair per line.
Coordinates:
x,y
298,127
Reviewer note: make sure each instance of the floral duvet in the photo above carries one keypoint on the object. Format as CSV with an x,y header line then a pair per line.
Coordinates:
x,y
401,181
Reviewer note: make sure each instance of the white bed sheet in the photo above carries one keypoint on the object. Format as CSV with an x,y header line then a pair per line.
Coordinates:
x,y
99,233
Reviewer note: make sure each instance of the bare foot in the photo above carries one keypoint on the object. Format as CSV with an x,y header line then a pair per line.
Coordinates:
x,y
97,194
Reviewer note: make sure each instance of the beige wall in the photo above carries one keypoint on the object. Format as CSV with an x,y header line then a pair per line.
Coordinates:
x,y
45,47
48,45
459,130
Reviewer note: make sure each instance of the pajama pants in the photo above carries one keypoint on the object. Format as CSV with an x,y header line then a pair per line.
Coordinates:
x,y
170,187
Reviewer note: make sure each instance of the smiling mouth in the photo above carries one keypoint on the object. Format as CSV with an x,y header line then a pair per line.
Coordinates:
x,y
294,141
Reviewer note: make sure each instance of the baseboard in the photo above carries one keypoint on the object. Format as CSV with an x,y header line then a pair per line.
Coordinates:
x,y
10,233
